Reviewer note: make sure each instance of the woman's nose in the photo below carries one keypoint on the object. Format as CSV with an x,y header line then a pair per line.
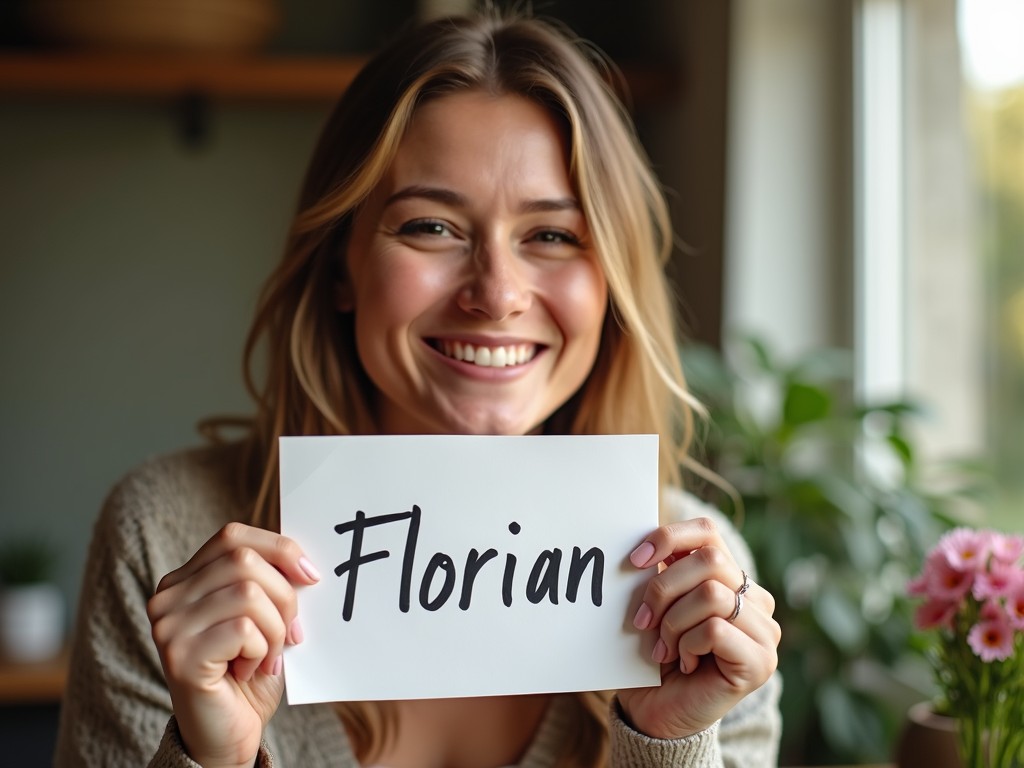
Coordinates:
x,y
497,287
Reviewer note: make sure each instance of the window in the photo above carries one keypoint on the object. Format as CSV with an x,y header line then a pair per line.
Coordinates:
x,y
964,230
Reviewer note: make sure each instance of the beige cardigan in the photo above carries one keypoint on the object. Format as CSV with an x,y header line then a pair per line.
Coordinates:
x,y
117,711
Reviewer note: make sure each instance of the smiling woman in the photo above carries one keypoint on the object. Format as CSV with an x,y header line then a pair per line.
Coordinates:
x,y
479,249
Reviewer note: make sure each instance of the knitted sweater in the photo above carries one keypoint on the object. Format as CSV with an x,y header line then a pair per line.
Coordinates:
x,y
117,711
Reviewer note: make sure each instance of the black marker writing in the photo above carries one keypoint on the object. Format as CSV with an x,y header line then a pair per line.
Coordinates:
x,y
440,576
357,558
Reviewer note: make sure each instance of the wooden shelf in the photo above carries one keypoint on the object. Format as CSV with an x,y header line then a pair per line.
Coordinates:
x,y
37,683
87,74
280,78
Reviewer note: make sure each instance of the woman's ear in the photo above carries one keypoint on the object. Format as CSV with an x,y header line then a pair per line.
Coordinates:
x,y
343,299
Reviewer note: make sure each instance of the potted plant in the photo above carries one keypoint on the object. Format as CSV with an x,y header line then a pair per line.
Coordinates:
x,y
31,605
834,537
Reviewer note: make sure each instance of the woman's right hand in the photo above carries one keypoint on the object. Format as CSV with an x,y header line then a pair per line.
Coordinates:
x,y
220,623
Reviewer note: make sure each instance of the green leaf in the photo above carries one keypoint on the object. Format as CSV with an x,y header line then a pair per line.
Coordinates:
x,y
757,352
898,409
901,448
805,403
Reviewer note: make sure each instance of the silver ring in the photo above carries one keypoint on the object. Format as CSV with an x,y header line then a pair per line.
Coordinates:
x,y
739,597
738,608
745,586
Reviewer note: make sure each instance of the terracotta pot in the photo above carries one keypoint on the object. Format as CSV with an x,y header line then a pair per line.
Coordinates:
x,y
928,740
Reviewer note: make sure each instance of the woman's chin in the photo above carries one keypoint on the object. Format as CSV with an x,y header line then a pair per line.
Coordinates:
x,y
491,423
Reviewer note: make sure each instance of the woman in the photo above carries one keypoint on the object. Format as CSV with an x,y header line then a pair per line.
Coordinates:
x,y
478,249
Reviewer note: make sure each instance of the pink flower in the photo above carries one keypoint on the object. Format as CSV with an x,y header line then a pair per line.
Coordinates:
x,y
991,640
966,549
946,582
992,610
918,586
1006,548
1000,580
1015,608
935,613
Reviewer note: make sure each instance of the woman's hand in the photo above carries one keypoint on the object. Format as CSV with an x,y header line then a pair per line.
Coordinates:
x,y
710,659
220,623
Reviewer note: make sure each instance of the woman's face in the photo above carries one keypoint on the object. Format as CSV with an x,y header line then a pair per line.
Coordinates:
x,y
477,295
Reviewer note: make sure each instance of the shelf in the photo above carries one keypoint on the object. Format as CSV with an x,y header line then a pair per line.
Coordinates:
x,y
37,683
280,78
86,74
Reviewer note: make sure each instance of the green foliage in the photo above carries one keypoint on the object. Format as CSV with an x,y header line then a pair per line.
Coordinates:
x,y
25,562
838,516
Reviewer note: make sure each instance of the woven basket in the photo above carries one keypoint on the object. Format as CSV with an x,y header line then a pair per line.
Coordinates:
x,y
157,25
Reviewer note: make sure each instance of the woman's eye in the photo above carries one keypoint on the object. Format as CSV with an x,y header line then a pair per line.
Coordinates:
x,y
425,227
556,237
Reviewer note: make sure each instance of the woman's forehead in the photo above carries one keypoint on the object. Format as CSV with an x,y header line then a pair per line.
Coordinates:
x,y
475,136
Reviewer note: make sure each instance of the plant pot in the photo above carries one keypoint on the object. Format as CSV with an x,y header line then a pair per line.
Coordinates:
x,y
31,622
928,740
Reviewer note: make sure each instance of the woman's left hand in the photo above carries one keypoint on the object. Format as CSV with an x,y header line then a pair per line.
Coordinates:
x,y
710,659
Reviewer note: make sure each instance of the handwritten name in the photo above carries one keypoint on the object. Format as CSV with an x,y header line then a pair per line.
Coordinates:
x,y
439,578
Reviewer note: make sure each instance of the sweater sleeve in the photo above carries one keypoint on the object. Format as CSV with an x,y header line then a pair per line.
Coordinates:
x,y
116,708
171,753
631,749
747,737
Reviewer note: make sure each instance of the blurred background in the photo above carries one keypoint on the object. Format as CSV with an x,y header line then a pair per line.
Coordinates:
x,y
847,184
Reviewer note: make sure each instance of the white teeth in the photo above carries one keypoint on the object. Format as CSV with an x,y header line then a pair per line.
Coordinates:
x,y
489,357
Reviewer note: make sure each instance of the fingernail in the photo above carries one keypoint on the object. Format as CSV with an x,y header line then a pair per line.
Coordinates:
x,y
309,569
643,617
642,554
295,631
278,663
660,651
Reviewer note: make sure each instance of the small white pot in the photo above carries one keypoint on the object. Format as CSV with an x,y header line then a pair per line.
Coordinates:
x,y
31,622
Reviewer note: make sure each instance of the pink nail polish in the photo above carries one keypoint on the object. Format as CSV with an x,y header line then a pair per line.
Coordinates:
x,y
278,663
643,617
660,651
309,569
642,554
295,633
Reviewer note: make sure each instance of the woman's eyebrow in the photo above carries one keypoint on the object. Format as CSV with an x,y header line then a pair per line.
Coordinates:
x,y
456,200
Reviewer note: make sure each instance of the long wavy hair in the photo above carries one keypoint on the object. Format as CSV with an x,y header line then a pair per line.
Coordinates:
x,y
312,381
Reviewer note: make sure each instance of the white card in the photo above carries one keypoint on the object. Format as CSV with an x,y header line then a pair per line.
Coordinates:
x,y
468,566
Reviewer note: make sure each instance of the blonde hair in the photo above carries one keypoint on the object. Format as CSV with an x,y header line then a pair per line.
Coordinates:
x,y
315,383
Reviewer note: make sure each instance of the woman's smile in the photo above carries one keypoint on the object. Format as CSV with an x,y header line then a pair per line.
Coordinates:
x,y
486,355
